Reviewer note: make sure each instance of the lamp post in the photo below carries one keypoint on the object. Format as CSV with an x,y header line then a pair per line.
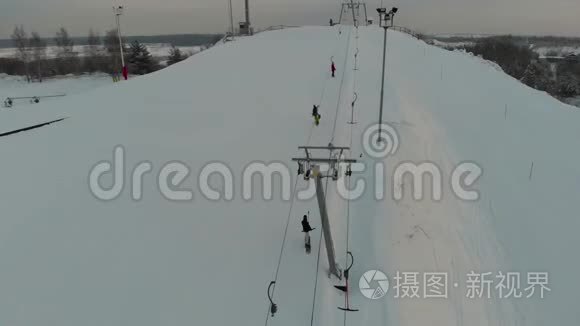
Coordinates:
x,y
118,12
385,21
231,18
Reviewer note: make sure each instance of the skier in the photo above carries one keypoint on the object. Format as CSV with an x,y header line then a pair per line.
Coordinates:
x,y
331,22
306,228
333,68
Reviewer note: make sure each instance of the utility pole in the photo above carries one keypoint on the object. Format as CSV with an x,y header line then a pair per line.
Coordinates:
x,y
248,25
118,12
385,21
231,16
310,168
245,27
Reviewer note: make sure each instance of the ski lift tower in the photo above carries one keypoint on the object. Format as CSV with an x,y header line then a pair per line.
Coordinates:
x,y
310,168
354,7
231,18
246,26
386,20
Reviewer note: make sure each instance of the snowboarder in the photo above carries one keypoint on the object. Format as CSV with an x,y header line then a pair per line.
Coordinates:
x,y
306,228
316,115
333,69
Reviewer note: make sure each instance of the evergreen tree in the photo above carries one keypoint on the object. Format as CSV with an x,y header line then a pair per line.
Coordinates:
x,y
537,75
140,60
568,84
175,56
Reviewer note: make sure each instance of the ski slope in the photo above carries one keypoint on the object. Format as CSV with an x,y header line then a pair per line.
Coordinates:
x,y
71,259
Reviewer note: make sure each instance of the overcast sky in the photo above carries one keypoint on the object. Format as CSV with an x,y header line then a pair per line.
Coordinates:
x,y
150,17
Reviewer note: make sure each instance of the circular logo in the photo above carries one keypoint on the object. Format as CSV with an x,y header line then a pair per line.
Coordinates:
x,y
381,145
379,279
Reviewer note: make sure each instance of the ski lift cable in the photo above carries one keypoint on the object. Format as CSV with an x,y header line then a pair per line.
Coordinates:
x,y
272,287
341,84
320,238
272,309
354,90
327,180
349,180
327,81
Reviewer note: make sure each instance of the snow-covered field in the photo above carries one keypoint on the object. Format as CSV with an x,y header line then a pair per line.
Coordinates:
x,y
24,111
17,86
68,258
452,45
156,50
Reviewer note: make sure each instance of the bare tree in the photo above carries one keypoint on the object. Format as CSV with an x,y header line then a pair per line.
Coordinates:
x,y
64,42
67,59
94,41
38,46
112,42
93,52
112,45
20,40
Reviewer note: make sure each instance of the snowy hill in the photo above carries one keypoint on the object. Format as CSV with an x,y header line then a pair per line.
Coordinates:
x,y
69,258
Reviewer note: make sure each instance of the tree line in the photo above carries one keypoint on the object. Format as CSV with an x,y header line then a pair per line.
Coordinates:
x,y
101,54
560,79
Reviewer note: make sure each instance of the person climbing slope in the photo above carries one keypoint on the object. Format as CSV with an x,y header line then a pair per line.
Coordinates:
x,y
306,228
333,69
316,115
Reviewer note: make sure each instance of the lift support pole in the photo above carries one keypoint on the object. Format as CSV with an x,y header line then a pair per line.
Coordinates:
x,y
354,21
334,269
314,172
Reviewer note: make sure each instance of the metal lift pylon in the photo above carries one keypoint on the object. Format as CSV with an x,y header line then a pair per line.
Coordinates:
x,y
310,168
352,6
